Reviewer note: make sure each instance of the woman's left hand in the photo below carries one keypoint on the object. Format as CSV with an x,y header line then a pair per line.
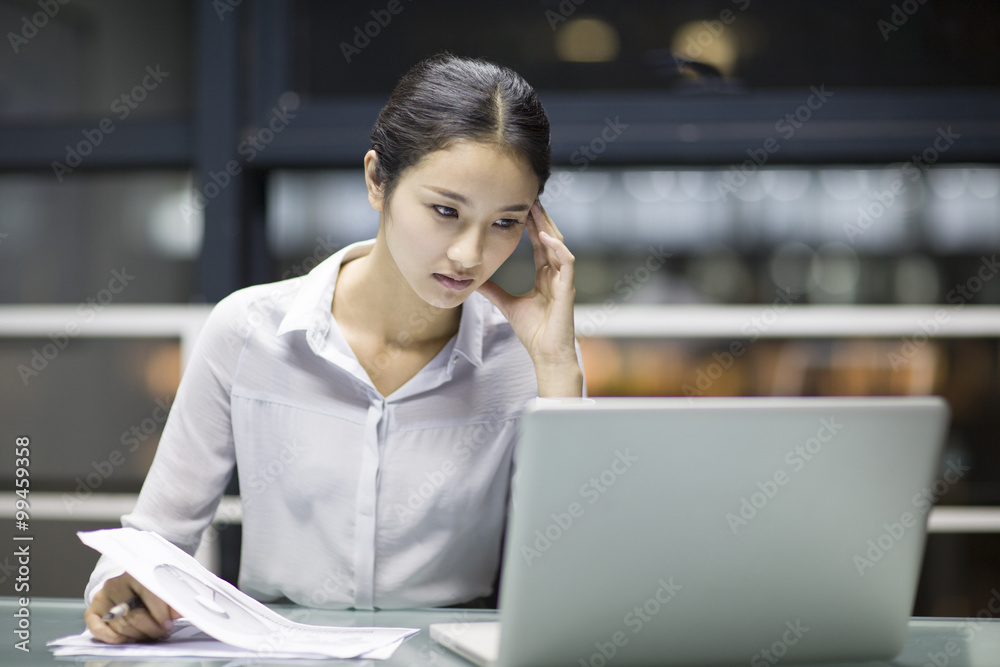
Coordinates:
x,y
543,318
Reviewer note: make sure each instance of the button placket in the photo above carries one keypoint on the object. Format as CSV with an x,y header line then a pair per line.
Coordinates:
x,y
364,556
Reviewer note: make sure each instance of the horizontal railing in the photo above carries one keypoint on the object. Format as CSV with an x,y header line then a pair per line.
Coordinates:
x,y
611,319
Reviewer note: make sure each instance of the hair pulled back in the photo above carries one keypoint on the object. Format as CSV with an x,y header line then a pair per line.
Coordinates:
x,y
447,98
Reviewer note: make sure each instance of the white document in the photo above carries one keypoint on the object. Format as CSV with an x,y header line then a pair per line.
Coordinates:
x,y
222,611
185,641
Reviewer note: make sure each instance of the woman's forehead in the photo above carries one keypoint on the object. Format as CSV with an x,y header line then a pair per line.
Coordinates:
x,y
475,166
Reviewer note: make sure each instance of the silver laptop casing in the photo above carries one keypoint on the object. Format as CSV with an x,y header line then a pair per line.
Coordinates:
x,y
674,531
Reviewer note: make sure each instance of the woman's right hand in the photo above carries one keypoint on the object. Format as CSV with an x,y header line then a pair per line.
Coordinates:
x,y
141,624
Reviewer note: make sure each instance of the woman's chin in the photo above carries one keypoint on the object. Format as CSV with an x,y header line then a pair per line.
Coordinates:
x,y
448,302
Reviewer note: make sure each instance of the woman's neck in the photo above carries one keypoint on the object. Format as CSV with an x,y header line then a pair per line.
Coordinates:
x,y
372,296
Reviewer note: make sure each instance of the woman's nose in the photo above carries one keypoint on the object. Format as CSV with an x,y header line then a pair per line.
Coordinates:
x,y
467,249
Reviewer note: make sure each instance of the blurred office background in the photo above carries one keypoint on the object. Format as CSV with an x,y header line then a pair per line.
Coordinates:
x,y
815,154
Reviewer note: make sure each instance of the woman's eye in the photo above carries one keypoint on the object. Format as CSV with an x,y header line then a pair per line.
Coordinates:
x,y
507,223
446,211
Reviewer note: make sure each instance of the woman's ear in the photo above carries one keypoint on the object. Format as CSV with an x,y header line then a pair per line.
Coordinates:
x,y
372,181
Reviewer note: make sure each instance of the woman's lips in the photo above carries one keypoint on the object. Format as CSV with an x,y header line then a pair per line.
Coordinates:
x,y
452,282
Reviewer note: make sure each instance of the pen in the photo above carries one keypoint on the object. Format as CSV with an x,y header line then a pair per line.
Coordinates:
x,y
123,608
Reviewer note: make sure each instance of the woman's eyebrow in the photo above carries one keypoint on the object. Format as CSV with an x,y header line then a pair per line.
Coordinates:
x,y
462,200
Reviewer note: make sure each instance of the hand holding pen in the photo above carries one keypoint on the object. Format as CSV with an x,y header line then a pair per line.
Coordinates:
x,y
122,608
125,610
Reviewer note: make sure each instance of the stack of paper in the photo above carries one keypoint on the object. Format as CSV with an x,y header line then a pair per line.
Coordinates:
x,y
185,641
220,621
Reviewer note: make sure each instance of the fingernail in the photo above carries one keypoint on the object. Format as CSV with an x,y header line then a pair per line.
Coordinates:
x,y
168,624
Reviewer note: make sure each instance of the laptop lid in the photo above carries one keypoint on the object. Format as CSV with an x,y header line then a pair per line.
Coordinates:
x,y
673,531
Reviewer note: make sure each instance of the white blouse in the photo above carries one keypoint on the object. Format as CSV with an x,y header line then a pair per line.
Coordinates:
x,y
350,498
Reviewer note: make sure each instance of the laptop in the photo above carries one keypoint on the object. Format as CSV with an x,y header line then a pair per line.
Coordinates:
x,y
678,531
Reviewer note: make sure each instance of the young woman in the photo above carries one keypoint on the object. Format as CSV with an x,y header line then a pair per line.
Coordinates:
x,y
372,405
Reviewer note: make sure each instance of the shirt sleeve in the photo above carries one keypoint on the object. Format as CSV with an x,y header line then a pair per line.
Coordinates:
x,y
195,457
542,399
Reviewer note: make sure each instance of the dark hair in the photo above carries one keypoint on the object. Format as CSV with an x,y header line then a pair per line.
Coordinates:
x,y
447,98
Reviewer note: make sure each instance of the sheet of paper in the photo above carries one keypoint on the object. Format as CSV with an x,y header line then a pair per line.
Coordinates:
x,y
184,641
223,611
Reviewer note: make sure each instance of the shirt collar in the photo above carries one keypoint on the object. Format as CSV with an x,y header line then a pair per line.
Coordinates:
x,y
469,341
309,310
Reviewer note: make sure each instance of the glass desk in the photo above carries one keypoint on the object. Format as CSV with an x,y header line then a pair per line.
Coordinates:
x,y
937,642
